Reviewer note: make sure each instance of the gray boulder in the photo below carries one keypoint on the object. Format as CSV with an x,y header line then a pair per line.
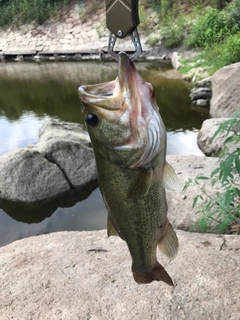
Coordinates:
x,y
62,161
225,91
201,93
175,60
69,147
205,143
204,83
202,103
85,275
26,176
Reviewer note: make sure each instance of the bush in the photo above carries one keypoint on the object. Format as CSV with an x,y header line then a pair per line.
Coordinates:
x,y
231,50
24,11
223,209
210,28
233,11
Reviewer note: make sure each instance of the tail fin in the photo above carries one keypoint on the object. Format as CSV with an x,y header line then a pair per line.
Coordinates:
x,y
158,273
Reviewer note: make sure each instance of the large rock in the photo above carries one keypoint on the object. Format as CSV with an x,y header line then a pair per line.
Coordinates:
x,y
200,93
85,275
225,91
175,60
69,147
212,147
62,161
26,176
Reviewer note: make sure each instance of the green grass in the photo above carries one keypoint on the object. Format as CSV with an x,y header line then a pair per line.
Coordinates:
x,y
216,56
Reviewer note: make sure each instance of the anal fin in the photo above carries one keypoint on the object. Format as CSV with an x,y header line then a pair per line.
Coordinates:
x,y
168,244
158,273
111,231
142,183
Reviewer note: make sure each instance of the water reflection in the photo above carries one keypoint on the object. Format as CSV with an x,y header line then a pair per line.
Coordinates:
x,y
183,142
82,216
31,93
18,133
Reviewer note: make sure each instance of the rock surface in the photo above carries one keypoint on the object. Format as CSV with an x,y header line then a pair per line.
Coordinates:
x,y
204,83
180,212
26,176
200,93
60,162
85,275
175,60
225,91
66,145
202,103
205,143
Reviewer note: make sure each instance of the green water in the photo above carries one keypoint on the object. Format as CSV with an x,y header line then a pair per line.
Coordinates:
x,y
31,92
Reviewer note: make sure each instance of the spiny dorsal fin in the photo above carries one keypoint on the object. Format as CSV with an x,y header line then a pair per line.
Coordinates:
x,y
170,180
141,184
168,244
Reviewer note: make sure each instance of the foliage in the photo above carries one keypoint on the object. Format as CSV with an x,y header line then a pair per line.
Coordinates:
x,y
222,209
231,50
208,29
23,11
217,56
173,33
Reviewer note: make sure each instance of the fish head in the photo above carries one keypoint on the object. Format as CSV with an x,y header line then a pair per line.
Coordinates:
x,y
122,117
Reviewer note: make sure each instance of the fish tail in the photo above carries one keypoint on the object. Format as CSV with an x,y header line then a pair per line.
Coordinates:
x,y
168,244
158,273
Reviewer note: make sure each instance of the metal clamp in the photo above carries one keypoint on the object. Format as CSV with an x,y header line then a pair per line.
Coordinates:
x,y
122,19
136,42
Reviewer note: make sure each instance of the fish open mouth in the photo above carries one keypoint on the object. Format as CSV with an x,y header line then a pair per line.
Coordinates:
x,y
110,95
104,89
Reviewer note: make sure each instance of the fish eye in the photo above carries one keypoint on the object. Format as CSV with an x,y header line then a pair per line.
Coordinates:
x,y
91,119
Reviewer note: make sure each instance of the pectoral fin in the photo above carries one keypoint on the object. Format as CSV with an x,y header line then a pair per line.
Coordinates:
x,y
111,231
142,183
170,180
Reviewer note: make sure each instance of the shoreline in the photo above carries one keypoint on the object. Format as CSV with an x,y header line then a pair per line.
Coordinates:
x,y
73,39
68,39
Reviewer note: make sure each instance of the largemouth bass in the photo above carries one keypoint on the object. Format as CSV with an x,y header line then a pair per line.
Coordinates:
x,y
129,141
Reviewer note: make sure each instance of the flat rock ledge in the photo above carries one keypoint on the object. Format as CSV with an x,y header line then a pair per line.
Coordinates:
x,y
85,275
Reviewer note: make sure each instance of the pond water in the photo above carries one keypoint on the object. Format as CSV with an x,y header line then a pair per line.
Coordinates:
x,y
31,92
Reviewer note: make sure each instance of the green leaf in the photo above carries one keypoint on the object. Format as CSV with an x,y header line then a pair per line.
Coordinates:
x,y
227,166
237,163
223,226
203,225
229,139
215,171
202,178
195,200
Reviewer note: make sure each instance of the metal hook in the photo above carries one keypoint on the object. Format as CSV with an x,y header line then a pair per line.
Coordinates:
x,y
136,42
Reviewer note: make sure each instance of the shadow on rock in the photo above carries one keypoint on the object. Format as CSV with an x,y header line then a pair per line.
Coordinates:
x,y
38,211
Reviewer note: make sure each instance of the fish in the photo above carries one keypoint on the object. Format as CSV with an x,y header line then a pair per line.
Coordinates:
x,y
128,137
